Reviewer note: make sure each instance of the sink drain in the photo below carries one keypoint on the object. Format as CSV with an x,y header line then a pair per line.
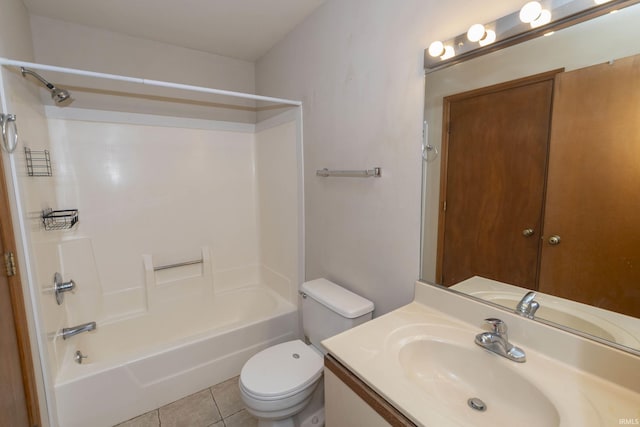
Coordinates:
x,y
476,404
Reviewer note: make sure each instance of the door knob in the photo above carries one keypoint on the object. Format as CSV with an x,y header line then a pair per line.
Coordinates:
x,y
554,240
528,232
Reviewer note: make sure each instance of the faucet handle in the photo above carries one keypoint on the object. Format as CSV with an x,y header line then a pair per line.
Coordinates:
x,y
498,326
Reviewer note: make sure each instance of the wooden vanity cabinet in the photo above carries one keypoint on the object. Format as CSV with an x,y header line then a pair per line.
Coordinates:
x,y
349,402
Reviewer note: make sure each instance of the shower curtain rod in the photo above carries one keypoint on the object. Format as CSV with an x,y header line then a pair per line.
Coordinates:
x,y
159,83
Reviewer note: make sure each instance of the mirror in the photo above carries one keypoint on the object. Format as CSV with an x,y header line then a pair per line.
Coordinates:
x,y
599,42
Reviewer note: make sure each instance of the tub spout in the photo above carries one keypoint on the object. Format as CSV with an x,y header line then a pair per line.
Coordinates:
x,y
75,330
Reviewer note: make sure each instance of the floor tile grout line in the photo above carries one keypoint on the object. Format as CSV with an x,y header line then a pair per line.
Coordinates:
x,y
217,407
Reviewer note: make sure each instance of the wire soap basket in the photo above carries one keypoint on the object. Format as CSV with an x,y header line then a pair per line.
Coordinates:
x,y
59,220
38,162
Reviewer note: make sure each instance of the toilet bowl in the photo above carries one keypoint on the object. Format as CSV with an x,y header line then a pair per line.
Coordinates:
x,y
279,382
282,385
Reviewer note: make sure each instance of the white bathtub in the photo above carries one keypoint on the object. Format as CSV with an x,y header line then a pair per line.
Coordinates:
x,y
141,363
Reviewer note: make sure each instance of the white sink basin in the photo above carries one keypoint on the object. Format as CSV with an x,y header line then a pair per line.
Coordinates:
x,y
453,374
426,364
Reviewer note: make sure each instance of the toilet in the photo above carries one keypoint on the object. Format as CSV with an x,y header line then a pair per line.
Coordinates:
x,y
282,385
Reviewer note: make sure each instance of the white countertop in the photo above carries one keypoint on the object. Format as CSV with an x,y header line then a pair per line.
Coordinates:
x,y
371,351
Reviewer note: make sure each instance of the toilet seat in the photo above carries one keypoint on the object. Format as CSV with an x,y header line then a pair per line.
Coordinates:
x,y
281,371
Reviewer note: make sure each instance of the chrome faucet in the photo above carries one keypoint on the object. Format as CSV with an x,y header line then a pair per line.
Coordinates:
x,y
497,341
527,306
75,330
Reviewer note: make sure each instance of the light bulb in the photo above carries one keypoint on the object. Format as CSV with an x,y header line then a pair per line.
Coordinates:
x,y
543,19
490,37
449,52
476,32
601,1
530,12
436,49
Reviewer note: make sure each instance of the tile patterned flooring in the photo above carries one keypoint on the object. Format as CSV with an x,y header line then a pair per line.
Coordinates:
x,y
217,406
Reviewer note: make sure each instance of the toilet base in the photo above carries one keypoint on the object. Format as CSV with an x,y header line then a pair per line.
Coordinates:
x,y
311,416
314,420
279,423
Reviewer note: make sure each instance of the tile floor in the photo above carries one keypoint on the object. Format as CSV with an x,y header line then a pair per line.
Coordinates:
x,y
217,406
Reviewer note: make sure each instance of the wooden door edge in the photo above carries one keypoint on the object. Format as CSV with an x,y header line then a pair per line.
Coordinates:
x,y
19,310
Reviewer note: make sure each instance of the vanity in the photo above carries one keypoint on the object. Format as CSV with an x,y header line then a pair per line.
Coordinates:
x,y
419,365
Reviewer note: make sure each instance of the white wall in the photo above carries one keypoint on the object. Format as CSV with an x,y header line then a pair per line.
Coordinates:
x,y
76,46
358,67
278,202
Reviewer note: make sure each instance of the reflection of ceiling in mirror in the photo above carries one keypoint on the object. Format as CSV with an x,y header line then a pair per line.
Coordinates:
x,y
600,40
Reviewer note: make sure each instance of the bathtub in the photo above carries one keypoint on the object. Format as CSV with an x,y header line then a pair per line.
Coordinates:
x,y
141,363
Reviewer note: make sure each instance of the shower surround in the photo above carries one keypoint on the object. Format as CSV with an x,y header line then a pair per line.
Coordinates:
x,y
153,191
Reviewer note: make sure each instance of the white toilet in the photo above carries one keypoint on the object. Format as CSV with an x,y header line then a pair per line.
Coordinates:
x,y
282,385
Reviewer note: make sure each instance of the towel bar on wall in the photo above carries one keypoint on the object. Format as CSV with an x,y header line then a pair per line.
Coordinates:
x,y
370,173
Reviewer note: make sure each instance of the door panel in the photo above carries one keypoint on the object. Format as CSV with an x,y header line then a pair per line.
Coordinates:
x,y
596,126
496,155
13,405
18,396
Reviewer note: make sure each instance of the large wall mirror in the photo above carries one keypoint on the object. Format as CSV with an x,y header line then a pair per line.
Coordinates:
x,y
533,182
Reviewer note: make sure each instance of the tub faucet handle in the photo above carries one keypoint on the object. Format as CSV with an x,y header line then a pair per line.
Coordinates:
x,y
59,287
79,357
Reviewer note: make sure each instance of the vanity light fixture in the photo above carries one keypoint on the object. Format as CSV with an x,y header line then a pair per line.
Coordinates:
x,y
530,12
543,19
489,37
481,34
534,19
437,49
533,14
476,32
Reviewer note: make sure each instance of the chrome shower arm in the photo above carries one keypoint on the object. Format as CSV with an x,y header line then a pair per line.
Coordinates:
x,y
25,71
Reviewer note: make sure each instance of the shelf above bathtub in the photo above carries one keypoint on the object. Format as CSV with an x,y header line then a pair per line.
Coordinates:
x,y
59,220
38,162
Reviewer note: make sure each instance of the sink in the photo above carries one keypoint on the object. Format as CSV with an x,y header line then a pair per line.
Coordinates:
x,y
453,374
425,363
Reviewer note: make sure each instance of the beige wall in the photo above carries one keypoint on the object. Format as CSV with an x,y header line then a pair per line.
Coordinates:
x,y
15,37
357,66
71,45
278,197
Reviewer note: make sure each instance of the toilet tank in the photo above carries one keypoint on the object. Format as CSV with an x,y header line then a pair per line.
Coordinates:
x,y
328,309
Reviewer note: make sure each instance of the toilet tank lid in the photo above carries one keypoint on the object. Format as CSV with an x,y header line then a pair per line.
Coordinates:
x,y
337,298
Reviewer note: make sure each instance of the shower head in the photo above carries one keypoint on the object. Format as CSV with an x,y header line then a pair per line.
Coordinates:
x,y
61,97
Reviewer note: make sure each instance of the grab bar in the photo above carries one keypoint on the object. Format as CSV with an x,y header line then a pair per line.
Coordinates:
x,y
180,264
375,173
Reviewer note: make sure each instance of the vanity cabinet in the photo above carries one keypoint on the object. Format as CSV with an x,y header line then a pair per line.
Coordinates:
x,y
349,402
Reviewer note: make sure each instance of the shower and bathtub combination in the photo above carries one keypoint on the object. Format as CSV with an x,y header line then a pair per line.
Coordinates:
x,y
161,251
